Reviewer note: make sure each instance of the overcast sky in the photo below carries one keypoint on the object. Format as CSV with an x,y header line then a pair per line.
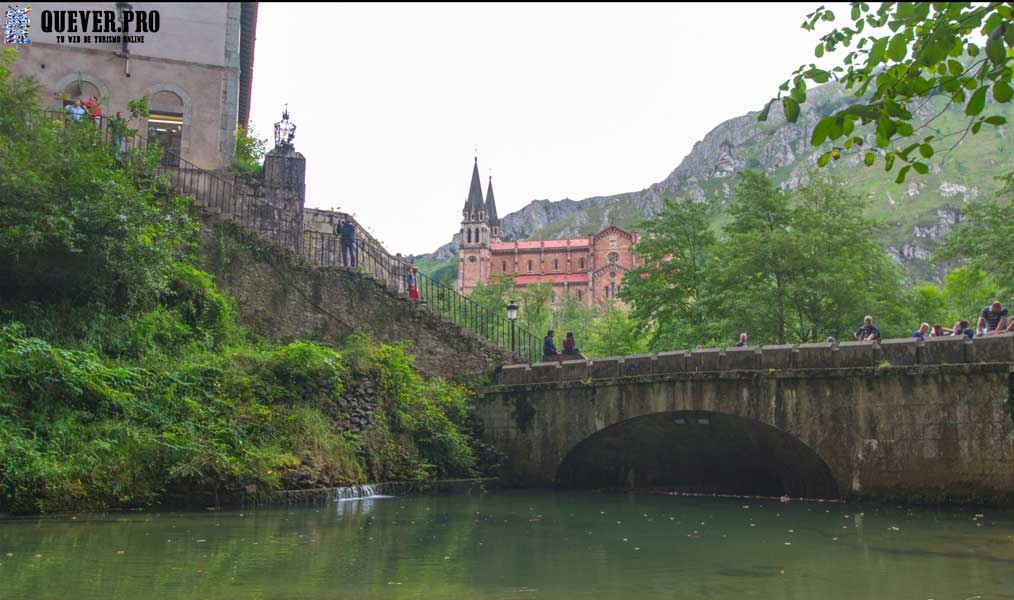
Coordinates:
x,y
562,100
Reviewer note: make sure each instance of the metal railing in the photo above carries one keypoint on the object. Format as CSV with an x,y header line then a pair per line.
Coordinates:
x,y
226,198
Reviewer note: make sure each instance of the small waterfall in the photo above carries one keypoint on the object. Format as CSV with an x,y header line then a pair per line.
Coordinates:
x,y
357,492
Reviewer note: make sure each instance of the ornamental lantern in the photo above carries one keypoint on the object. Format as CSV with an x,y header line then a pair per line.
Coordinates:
x,y
285,131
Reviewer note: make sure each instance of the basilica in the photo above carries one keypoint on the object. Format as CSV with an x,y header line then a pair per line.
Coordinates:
x,y
589,268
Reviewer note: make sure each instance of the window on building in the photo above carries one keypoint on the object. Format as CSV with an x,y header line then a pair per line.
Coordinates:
x,y
612,242
556,264
614,257
165,126
579,295
529,266
605,291
581,262
504,266
79,89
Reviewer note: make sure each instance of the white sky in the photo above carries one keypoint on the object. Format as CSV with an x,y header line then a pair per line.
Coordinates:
x,y
562,100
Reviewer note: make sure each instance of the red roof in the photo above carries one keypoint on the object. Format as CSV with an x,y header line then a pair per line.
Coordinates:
x,y
536,244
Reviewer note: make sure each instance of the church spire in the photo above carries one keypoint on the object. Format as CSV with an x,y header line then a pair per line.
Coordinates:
x,y
491,217
474,205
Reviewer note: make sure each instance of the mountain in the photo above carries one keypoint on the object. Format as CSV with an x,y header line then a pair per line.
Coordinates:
x,y
916,213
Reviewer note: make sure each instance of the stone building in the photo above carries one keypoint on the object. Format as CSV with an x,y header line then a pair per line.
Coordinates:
x,y
589,268
194,60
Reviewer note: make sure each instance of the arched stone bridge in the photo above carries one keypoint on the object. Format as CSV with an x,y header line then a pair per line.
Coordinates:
x,y
904,419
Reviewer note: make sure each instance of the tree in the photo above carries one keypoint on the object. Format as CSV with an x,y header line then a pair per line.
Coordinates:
x,y
250,151
758,264
663,291
76,222
789,268
533,303
613,333
573,315
964,292
983,237
959,51
495,293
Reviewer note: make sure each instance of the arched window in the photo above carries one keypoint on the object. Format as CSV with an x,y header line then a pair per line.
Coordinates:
x,y
79,88
469,235
165,125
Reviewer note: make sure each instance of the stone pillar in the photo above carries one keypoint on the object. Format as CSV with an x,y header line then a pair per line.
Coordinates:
x,y
285,191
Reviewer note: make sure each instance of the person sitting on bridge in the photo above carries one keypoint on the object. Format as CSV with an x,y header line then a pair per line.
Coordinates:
x,y
548,347
569,346
938,330
992,319
742,340
923,332
868,332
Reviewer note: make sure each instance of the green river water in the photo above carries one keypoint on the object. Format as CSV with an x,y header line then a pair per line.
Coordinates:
x,y
515,545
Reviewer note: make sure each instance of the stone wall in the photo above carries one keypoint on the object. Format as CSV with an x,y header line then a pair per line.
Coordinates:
x,y
888,353
902,420
286,298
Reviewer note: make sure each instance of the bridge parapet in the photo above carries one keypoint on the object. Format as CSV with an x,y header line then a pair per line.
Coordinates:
x,y
900,352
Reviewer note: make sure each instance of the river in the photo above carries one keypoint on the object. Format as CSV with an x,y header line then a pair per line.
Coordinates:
x,y
515,545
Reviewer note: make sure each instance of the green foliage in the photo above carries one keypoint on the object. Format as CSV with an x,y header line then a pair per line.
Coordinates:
x,y
124,378
664,291
250,151
958,50
575,316
778,272
613,334
964,292
984,237
533,306
75,222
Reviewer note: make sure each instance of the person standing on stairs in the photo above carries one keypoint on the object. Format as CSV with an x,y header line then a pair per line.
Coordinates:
x,y
347,232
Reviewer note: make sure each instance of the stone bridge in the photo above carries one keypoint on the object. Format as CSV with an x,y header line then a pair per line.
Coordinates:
x,y
901,419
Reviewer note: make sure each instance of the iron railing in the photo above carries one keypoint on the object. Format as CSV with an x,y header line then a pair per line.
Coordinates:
x,y
228,198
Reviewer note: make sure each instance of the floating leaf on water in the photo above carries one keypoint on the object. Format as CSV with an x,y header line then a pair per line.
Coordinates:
x,y
119,551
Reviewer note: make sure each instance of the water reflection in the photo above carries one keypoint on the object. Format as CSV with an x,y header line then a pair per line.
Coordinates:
x,y
514,545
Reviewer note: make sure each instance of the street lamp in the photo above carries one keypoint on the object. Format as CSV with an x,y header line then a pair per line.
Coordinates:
x,y
512,315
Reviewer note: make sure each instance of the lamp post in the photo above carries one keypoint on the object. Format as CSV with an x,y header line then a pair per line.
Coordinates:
x,y
512,315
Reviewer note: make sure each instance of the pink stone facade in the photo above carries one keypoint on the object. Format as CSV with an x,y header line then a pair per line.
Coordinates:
x,y
590,269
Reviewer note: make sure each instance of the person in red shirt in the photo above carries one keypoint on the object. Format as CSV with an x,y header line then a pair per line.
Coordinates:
x,y
94,108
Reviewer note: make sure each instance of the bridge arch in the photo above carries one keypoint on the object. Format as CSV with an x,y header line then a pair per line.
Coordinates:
x,y
697,451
